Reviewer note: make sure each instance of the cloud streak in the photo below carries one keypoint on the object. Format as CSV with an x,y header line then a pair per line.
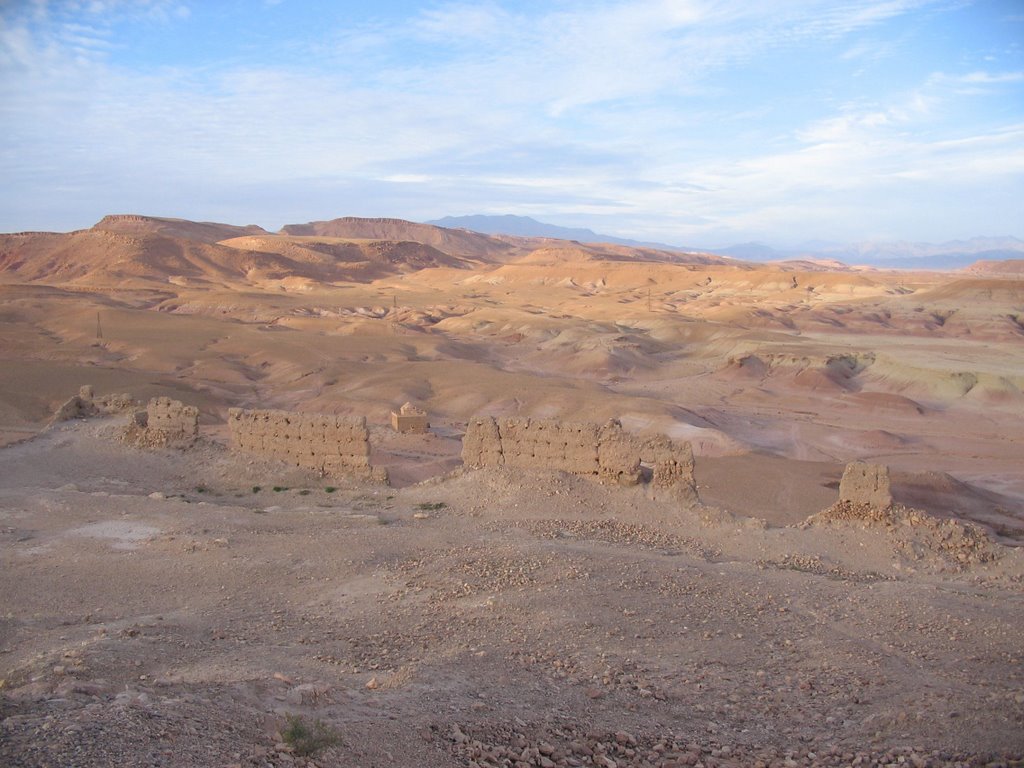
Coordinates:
x,y
696,121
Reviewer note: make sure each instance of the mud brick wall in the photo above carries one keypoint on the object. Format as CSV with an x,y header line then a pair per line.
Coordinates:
x,y
672,462
76,407
171,421
605,451
481,446
864,483
86,404
410,418
330,444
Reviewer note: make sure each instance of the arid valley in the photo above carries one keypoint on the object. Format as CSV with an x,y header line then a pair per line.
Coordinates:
x,y
197,604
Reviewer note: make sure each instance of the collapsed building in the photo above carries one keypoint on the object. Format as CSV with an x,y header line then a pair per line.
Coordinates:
x,y
606,451
337,446
86,404
164,422
864,483
328,444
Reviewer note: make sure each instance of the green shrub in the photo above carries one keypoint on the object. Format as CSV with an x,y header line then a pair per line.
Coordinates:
x,y
307,738
431,506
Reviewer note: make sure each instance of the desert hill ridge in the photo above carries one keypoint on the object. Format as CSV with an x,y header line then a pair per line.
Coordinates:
x,y
138,249
456,235
1000,268
204,231
143,249
500,248
455,242
458,244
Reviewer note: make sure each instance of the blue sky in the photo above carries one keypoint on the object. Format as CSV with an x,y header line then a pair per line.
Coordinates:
x,y
695,122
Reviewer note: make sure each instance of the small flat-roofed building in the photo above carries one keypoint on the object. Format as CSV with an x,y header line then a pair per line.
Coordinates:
x,y
409,418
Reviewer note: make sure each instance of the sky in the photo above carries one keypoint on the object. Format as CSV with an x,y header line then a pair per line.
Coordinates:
x,y
692,122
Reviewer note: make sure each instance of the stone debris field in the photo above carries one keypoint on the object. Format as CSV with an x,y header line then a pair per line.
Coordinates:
x,y
202,604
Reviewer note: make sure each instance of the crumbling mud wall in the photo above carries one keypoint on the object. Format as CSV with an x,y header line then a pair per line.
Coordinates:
x,y
604,451
864,483
86,404
329,444
164,422
672,463
171,421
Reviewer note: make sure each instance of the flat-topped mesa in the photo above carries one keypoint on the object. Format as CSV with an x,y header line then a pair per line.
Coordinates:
x,y
329,444
604,451
122,218
864,483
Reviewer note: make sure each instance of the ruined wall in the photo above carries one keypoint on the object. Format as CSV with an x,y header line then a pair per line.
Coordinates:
x,y
171,422
86,404
606,451
76,407
672,462
866,484
163,422
410,419
329,444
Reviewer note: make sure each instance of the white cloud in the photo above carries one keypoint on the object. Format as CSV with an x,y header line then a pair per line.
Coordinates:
x,y
583,108
987,78
475,21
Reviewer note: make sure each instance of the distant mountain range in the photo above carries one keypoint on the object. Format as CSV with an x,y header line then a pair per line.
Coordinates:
x,y
899,255
524,226
138,251
132,250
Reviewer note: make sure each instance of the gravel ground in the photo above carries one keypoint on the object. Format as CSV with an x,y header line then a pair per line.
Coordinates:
x,y
173,608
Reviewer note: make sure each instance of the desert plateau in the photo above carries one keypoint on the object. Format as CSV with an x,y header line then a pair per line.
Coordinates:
x,y
646,507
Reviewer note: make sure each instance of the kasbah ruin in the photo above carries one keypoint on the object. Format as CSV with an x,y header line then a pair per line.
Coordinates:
x,y
334,446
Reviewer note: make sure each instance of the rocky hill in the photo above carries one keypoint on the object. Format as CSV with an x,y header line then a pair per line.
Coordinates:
x,y
455,242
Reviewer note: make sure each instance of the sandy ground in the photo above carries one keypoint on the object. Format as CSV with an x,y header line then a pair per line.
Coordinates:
x,y
173,608
176,607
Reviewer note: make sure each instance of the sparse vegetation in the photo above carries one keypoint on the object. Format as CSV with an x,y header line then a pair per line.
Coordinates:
x,y
280,488
330,489
431,506
256,489
305,492
201,489
308,738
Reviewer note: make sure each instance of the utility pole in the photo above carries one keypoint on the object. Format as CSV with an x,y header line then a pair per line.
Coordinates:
x,y
648,298
99,329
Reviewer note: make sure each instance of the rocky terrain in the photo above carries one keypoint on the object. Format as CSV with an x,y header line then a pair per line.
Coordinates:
x,y
176,602
200,607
